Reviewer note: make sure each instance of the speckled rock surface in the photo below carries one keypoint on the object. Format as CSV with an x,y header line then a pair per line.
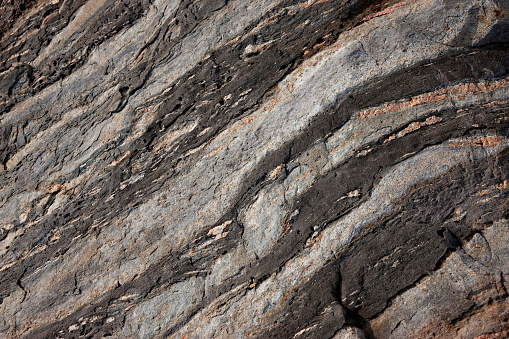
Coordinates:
x,y
254,169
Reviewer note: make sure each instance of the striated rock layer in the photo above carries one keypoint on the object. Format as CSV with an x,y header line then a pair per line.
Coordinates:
x,y
266,169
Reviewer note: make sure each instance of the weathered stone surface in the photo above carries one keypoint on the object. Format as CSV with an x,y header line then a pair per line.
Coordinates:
x,y
268,168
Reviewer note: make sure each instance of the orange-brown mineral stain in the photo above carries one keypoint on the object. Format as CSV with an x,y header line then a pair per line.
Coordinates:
x,y
116,162
503,185
499,335
479,141
386,11
449,93
414,126
55,188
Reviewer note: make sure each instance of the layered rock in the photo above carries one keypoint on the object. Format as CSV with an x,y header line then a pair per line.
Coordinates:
x,y
272,169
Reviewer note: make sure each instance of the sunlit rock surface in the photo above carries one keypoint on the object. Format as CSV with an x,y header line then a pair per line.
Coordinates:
x,y
262,169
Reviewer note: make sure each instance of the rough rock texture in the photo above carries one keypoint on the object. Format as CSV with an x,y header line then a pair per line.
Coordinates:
x,y
266,169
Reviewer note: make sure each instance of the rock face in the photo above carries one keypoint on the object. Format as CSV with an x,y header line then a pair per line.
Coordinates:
x,y
266,169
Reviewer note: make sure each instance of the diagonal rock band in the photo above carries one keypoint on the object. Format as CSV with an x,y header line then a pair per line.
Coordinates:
x,y
265,169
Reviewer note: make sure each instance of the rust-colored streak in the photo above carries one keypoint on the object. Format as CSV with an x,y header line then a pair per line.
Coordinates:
x,y
498,335
385,11
55,188
449,93
479,141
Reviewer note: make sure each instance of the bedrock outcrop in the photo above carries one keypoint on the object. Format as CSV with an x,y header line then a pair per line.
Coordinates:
x,y
254,169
